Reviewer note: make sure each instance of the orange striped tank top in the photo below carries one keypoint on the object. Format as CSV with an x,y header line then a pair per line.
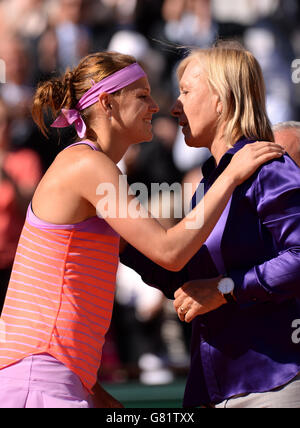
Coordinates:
x,y
61,294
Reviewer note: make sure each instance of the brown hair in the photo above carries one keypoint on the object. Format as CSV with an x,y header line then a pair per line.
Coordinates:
x,y
65,92
236,76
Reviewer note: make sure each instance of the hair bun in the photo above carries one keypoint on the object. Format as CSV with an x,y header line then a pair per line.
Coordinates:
x,y
68,79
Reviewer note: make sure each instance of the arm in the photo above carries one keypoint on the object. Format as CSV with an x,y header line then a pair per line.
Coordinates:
x,y
152,274
277,200
103,400
174,247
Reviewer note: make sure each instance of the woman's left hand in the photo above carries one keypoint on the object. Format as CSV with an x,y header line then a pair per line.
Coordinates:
x,y
197,298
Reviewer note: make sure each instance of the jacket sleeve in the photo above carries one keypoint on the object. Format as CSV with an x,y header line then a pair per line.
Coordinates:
x,y
152,274
276,198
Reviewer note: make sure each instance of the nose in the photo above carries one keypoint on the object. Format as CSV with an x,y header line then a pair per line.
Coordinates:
x,y
176,109
154,106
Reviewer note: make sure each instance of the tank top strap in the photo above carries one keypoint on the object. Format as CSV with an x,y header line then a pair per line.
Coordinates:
x,y
85,142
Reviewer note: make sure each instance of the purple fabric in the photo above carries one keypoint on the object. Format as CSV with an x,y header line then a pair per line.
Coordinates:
x,y
246,347
85,142
41,381
69,117
213,242
110,84
90,225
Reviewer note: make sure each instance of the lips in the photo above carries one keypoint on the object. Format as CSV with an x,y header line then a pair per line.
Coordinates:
x,y
183,123
184,126
148,120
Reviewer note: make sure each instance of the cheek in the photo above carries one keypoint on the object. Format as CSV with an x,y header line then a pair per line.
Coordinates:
x,y
128,118
197,115
132,112
197,104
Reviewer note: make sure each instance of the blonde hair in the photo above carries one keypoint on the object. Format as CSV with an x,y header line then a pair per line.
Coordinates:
x,y
236,76
66,91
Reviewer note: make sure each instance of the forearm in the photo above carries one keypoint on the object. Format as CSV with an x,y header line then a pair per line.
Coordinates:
x,y
152,274
275,280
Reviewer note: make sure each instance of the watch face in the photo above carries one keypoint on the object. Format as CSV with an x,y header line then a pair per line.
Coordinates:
x,y
226,285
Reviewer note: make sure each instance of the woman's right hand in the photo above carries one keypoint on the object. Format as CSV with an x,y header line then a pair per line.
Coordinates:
x,y
246,161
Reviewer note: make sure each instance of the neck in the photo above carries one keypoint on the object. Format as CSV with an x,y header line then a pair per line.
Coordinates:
x,y
218,149
113,152
114,148
219,146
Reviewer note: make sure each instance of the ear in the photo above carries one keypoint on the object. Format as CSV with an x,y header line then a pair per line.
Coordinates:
x,y
219,107
105,102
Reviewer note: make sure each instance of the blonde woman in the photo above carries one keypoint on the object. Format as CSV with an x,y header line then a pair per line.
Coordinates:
x,y
244,347
61,292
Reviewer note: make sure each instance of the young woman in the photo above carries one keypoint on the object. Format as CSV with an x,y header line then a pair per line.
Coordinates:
x,y
60,297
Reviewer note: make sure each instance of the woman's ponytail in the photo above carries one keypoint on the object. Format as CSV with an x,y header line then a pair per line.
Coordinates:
x,y
51,96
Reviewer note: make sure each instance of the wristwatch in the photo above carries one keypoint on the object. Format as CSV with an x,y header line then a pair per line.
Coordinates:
x,y
226,287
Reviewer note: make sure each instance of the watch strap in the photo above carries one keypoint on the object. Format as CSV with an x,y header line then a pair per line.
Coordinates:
x,y
229,298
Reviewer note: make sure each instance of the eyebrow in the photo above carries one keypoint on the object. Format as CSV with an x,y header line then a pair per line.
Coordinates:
x,y
146,89
183,86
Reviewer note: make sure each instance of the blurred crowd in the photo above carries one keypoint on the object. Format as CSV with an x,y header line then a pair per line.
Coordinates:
x,y
39,39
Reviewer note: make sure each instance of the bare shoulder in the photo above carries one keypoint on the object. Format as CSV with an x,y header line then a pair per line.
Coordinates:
x,y
95,165
94,168
81,162
67,192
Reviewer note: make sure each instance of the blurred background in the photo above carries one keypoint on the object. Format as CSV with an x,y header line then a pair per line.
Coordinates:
x,y
146,355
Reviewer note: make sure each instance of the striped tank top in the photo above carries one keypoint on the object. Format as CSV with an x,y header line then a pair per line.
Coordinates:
x,y
61,294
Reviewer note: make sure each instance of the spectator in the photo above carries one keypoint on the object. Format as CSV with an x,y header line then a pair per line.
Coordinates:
x,y
133,43
287,134
189,22
70,21
124,12
28,18
20,171
17,91
274,53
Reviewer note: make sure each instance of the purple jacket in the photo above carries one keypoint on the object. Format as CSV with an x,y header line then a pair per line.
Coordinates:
x,y
245,347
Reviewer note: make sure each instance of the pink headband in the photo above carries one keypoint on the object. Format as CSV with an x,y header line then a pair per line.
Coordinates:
x,y
110,84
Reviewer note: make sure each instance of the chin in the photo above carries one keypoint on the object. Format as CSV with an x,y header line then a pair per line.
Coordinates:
x,y
191,142
143,139
196,143
148,137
